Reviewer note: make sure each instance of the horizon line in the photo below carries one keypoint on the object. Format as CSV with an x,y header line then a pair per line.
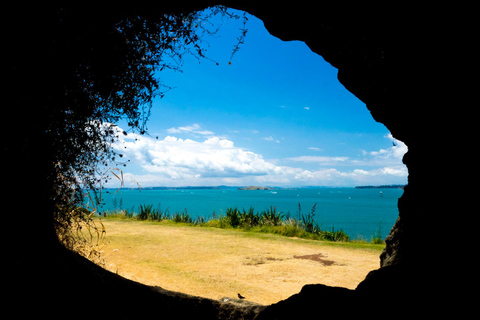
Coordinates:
x,y
243,186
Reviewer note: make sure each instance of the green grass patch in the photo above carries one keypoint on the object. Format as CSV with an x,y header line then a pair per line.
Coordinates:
x,y
269,221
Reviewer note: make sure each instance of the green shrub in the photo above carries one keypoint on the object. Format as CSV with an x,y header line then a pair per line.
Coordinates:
x,y
201,221
233,216
377,236
182,217
292,231
146,212
271,216
335,235
128,213
307,221
249,218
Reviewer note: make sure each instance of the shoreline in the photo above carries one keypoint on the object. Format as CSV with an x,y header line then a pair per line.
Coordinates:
x,y
266,222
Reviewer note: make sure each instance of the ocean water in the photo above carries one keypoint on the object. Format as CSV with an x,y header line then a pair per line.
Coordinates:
x,y
359,212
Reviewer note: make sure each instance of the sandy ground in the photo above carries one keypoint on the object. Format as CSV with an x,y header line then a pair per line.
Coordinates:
x,y
214,263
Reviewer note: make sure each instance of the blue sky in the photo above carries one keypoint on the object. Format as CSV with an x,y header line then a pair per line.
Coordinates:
x,y
276,115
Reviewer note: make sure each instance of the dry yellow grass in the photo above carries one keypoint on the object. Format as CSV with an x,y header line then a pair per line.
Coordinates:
x,y
213,263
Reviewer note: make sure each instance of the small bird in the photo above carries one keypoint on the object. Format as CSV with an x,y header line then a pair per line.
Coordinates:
x,y
240,296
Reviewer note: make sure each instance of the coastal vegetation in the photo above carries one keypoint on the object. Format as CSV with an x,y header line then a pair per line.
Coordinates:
x,y
300,225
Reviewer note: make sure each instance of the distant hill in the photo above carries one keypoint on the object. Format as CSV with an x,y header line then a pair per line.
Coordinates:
x,y
190,188
175,188
393,186
389,186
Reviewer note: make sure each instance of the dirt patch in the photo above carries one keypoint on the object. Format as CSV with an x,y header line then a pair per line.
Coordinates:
x,y
254,261
317,257
257,260
274,259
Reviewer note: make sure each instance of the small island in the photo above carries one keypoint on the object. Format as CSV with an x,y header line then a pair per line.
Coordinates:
x,y
255,188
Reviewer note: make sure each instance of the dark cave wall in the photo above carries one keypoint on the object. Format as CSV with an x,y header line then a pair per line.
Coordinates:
x,y
389,58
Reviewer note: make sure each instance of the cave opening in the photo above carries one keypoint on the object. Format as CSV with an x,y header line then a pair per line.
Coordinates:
x,y
259,129
394,60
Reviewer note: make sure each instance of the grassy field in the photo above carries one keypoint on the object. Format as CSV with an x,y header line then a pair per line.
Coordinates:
x,y
213,262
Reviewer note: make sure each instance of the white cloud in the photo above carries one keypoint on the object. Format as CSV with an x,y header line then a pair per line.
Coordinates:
x,y
174,130
387,157
306,108
194,128
185,159
314,149
390,157
270,138
205,132
398,171
214,161
319,159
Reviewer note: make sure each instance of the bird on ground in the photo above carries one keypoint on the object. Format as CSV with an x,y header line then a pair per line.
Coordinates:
x,y
240,296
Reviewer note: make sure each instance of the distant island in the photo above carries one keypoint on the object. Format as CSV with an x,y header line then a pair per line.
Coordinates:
x,y
389,186
255,188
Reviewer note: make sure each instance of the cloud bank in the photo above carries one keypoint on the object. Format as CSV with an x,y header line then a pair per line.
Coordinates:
x,y
215,161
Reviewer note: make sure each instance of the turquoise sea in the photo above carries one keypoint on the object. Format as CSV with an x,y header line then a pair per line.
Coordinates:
x,y
359,212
